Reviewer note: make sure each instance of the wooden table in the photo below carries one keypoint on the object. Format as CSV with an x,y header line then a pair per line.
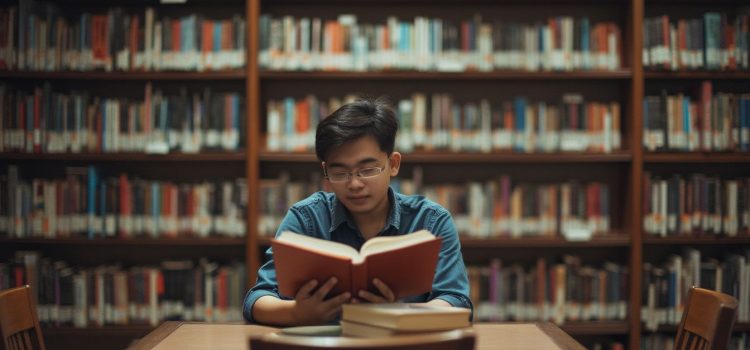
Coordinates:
x,y
230,336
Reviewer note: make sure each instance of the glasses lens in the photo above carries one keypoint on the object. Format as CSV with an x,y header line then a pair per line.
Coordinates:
x,y
370,172
338,177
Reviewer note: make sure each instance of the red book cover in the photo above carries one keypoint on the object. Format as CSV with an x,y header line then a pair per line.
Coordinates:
x,y
404,263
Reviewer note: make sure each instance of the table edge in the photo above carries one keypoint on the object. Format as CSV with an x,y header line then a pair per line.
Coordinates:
x,y
559,337
153,338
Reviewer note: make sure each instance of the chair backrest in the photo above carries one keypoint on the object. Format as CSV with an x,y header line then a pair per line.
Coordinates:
x,y
19,325
460,339
707,321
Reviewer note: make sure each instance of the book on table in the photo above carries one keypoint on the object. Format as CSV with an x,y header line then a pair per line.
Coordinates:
x,y
405,263
371,320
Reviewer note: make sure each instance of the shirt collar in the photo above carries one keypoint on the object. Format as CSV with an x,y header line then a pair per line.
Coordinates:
x,y
340,215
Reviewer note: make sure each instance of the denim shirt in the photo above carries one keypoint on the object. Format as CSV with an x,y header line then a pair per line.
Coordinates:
x,y
322,216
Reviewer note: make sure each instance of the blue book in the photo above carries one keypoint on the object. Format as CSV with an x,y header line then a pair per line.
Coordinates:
x,y
585,39
686,125
155,206
217,36
519,106
91,207
289,119
103,206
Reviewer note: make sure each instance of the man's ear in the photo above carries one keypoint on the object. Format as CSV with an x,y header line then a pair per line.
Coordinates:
x,y
323,165
395,161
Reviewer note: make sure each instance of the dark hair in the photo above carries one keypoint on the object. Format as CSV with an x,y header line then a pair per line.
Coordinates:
x,y
363,117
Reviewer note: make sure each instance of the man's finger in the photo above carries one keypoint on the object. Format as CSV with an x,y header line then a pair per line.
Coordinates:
x,y
385,291
337,301
324,289
371,297
306,289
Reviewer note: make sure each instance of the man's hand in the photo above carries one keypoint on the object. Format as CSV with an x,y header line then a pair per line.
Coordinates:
x,y
386,295
312,308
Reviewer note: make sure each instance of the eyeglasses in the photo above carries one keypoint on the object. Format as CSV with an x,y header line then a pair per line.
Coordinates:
x,y
364,173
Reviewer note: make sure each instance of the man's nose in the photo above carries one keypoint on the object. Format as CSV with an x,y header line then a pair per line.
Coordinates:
x,y
355,181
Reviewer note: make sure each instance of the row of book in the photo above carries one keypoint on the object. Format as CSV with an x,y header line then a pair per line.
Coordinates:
x,y
666,285
439,121
38,36
46,121
500,208
710,122
695,204
87,204
738,341
561,43
562,291
96,296
713,42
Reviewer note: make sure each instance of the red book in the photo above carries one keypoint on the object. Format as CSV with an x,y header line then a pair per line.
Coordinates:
x,y
404,263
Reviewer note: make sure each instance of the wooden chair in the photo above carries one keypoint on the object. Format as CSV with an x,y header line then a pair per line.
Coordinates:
x,y
707,321
19,325
460,339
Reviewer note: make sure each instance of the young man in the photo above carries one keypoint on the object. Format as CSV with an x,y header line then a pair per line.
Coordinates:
x,y
355,147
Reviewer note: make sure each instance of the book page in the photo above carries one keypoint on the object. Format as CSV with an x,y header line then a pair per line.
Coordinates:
x,y
382,244
318,245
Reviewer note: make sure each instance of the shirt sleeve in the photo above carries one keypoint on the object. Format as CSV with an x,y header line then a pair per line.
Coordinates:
x,y
451,283
266,283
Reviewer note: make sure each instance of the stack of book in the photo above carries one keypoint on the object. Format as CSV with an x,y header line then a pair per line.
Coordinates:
x,y
383,320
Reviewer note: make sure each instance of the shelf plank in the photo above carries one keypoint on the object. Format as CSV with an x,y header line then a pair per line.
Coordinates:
x,y
738,327
610,240
572,328
415,75
113,331
134,76
697,240
128,157
595,328
697,157
454,157
716,75
437,2
132,242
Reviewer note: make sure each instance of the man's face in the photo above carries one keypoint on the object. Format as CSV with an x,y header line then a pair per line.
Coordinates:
x,y
367,193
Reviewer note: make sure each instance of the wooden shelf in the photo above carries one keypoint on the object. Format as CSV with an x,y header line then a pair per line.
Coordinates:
x,y
572,328
132,242
595,328
454,157
112,331
699,240
697,157
698,75
129,157
437,2
146,76
414,75
611,240
738,327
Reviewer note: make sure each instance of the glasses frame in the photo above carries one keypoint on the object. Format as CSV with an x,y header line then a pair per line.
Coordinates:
x,y
358,173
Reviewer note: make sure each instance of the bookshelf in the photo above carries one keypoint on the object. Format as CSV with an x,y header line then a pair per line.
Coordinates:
x,y
622,169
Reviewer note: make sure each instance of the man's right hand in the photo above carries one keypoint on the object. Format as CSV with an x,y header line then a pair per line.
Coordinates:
x,y
310,306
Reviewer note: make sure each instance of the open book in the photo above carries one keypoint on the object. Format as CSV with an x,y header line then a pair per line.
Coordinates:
x,y
405,263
